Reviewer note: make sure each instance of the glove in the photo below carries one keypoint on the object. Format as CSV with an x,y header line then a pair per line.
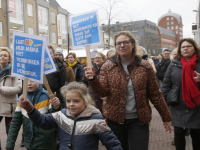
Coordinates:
x,y
25,104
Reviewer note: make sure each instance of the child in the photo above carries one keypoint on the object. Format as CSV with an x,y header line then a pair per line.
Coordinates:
x,y
34,137
81,125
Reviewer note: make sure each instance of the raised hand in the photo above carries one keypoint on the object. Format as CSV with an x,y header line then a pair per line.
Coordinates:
x,y
197,78
25,104
55,102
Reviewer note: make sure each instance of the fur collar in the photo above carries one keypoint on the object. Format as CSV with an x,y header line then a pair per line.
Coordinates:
x,y
89,110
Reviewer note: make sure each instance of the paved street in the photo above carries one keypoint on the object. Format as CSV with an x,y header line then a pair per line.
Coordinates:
x,y
159,139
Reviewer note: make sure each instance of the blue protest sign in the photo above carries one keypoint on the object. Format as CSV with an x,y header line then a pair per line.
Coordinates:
x,y
28,56
49,65
85,29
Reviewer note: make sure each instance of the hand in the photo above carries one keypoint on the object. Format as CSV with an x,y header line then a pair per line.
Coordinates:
x,y
167,126
25,104
55,102
197,78
89,73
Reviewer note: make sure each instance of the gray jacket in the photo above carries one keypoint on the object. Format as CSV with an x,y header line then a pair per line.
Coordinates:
x,y
183,116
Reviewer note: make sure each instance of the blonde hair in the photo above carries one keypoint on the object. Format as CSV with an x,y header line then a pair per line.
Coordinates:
x,y
132,39
8,51
102,55
79,88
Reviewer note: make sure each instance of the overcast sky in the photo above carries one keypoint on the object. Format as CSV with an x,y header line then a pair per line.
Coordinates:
x,y
134,10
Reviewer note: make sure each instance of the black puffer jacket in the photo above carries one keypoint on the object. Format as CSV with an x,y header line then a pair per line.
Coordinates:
x,y
78,72
183,116
58,79
161,68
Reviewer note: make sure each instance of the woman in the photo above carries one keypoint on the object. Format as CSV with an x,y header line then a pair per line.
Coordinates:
x,y
174,53
110,53
76,66
100,58
128,82
141,51
9,88
184,70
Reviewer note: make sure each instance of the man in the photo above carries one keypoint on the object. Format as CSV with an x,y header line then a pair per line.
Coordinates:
x,y
163,65
70,73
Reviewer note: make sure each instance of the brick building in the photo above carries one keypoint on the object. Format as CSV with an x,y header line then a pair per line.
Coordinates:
x,y
167,38
38,17
173,22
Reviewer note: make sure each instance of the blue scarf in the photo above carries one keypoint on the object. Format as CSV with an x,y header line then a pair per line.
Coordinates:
x,y
3,72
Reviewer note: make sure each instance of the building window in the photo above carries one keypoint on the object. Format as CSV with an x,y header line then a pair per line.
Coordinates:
x,y
53,38
30,10
43,22
53,17
176,27
172,22
1,30
172,27
167,27
176,31
30,31
167,23
0,3
167,18
172,18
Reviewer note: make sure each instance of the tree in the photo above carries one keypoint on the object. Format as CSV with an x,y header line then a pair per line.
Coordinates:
x,y
111,10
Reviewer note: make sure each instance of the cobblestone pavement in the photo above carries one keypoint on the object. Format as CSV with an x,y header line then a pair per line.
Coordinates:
x,y
159,139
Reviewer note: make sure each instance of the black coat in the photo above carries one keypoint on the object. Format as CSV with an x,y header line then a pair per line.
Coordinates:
x,y
161,68
183,116
78,72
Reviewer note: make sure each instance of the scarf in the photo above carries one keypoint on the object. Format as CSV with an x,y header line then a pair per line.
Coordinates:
x,y
3,72
73,64
190,90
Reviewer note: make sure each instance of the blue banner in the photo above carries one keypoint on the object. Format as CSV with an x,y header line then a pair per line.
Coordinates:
x,y
85,29
28,56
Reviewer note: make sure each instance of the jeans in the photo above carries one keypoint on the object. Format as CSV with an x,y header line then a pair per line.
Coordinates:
x,y
131,134
179,138
7,121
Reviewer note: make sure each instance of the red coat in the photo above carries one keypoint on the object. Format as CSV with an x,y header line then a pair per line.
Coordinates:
x,y
113,82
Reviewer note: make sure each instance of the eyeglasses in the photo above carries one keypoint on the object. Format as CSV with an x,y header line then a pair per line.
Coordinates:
x,y
188,47
98,57
70,57
125,43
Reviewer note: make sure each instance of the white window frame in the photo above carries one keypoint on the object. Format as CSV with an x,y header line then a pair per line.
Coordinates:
x,y
172,22
167,18
1,28
0,3
168,27
30,10
176,31
172,27
53,17
30,31
172,18
53,37
176,27
167,23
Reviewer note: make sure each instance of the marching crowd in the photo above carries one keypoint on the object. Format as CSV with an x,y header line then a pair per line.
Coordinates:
x,y
110,103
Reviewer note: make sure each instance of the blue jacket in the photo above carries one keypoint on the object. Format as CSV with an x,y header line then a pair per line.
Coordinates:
x,y
81,133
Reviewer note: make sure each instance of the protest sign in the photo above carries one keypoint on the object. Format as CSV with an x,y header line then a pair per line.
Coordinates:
x,y
49,65
28,56
85,29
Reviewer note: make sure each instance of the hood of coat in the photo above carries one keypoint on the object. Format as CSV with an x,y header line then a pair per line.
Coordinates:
x,y
88,111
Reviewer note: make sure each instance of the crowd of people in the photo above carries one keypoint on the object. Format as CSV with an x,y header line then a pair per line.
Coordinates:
x,y
111,103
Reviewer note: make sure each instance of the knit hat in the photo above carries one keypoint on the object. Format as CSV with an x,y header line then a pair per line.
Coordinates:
x,y
59,50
